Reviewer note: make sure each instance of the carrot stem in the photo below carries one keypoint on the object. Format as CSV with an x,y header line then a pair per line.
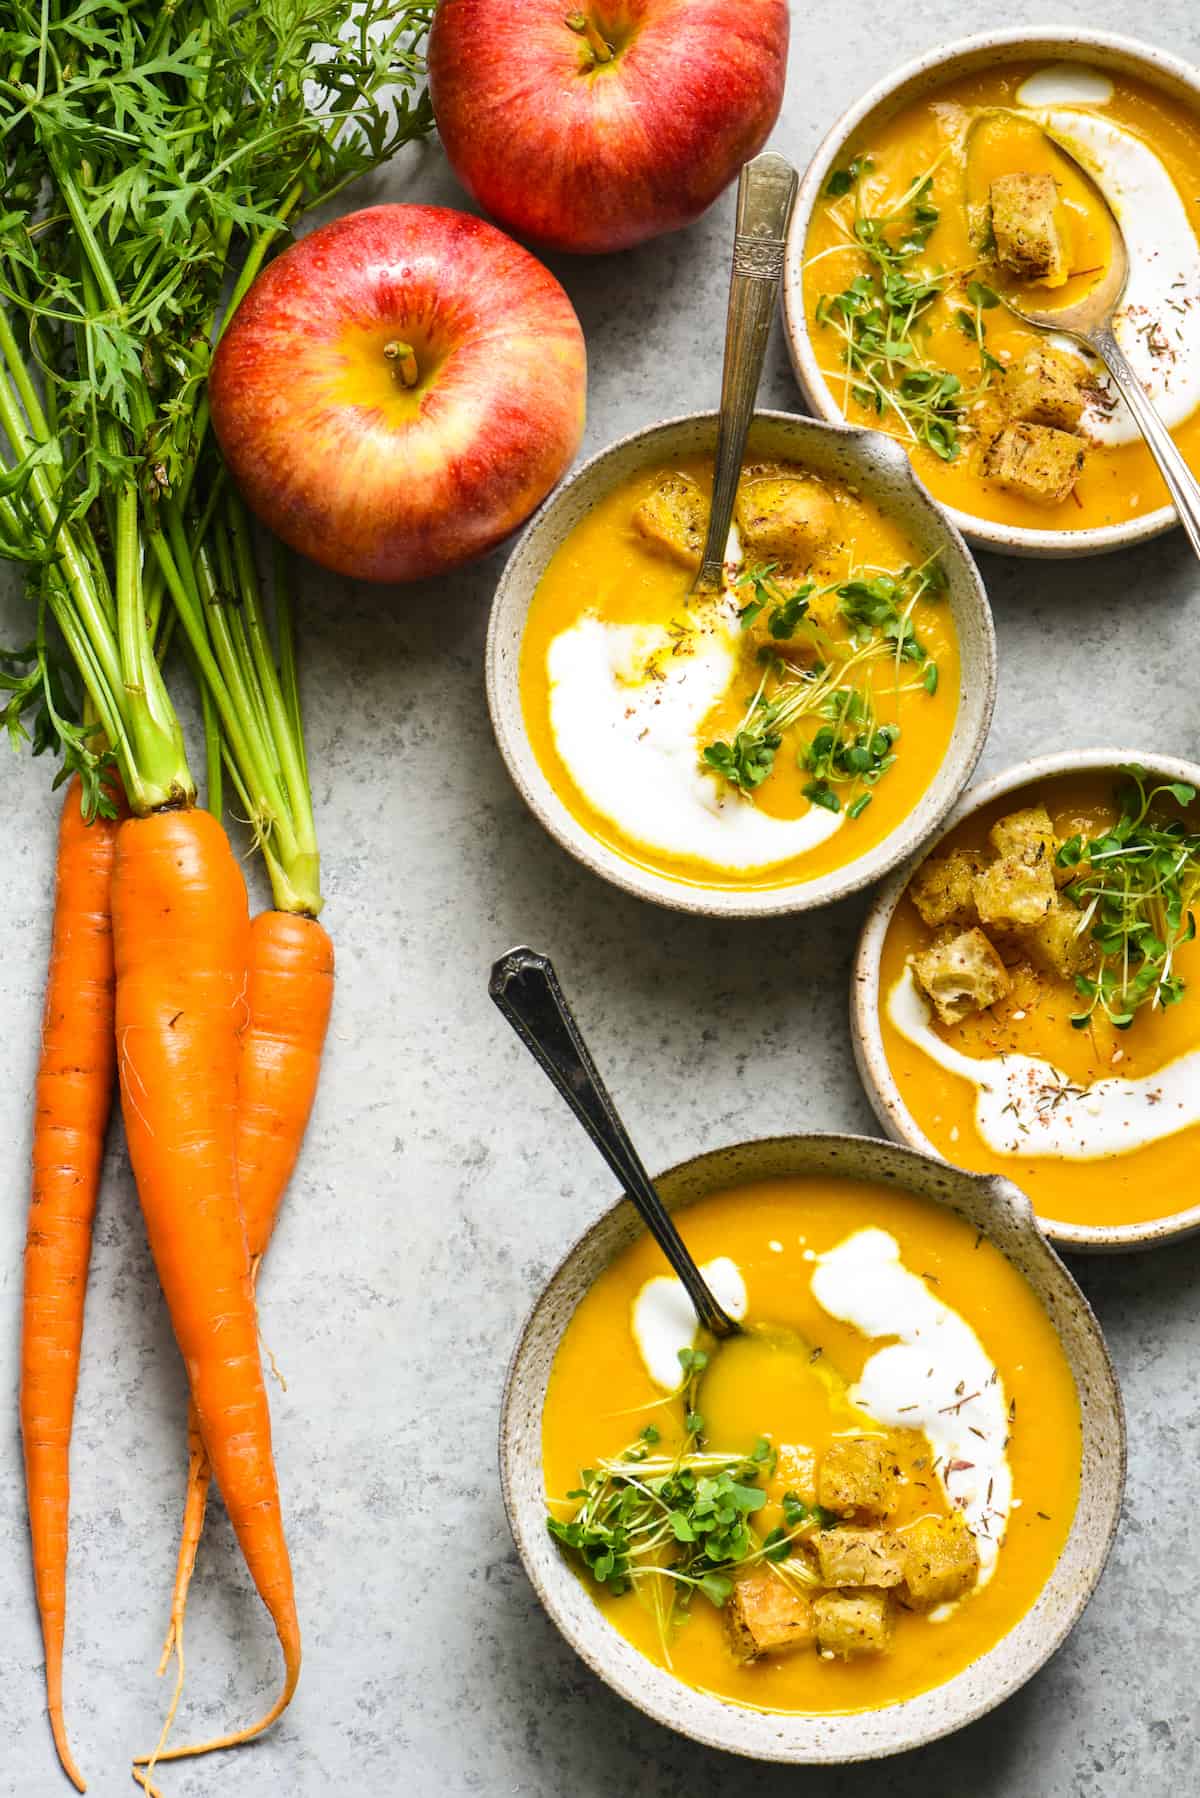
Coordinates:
x,y
304,868
285,631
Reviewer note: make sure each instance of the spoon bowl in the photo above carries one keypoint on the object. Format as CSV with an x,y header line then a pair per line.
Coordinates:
x,y
1091,321
1077,315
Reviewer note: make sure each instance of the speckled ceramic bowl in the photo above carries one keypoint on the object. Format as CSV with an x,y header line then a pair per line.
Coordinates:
x,y
989,1204
869,1052
880,470
1103,50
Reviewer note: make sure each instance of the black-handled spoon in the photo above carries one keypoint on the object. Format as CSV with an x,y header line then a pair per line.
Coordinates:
x,y
525,987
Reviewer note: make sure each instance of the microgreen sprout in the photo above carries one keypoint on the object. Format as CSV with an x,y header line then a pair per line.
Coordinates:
x,y
1135,885
881,316
850,750
683,1521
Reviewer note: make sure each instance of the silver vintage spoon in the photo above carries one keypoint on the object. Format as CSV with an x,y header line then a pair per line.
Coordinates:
x,y
766,192
525,987
1090,322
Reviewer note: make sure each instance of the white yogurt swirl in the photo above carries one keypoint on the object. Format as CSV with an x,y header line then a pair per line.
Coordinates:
x,y
626,706
663,1319
1026,1106
934,1377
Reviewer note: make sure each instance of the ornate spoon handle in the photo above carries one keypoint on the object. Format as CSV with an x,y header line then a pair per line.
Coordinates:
x,y
766,192
525,987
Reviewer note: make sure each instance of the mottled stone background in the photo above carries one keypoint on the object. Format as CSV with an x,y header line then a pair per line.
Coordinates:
x,y
442,1178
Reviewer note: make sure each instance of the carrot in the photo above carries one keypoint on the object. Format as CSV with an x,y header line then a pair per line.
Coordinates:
x,y
73,1100
289,997
181,933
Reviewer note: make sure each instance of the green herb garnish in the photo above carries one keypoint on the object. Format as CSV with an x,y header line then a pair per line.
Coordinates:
x,y
880,317
684,1523
852,749
763,589
842,180
1136,888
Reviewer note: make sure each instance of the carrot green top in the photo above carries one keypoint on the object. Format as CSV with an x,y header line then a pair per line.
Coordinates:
x,y
152,156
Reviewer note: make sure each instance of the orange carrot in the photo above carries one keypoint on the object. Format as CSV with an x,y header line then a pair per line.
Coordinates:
x,y
289,996
181,933
74,1097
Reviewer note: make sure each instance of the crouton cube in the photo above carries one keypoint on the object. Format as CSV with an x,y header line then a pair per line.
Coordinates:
x,y
1056,945
858,1473
1035,462
853,1623
859,1557
962,976
943,888
1044,389
1011,891
1026,835
784,519
765,1616
1025,226
673,520
941,1561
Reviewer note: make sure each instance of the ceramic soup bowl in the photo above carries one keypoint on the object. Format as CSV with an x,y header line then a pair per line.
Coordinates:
x,y
878,1078
991,1205
867,461
1099,50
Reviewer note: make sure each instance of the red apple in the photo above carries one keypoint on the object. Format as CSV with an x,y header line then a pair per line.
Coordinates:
x,y
398,391
595,129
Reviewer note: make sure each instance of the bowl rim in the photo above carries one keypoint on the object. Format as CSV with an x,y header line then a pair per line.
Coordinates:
x,y
870,1056
1072,43
732,902
1004,1193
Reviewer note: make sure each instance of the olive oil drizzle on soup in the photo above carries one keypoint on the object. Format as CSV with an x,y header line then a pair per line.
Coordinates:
x,y
773,732
1080,1162
797,1420
916,232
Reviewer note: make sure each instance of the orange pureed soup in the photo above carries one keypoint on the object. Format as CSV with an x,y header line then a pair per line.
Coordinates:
x,y
938,204
769,733
1101,1124
916,1440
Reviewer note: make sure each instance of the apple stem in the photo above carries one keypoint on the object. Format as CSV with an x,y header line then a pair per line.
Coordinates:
x,y
403,359
585,27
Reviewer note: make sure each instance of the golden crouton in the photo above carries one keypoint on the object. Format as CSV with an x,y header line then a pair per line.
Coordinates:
x,y
1044,389
961,976
858,1473
941,1561
943,888
859,1557
1056,944
673,520
1026,835
1012,891
765,1616
1035,462
785,519
1028,241
852,1623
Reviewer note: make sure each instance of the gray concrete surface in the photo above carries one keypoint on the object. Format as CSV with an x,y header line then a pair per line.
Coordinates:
x,y
442,1178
